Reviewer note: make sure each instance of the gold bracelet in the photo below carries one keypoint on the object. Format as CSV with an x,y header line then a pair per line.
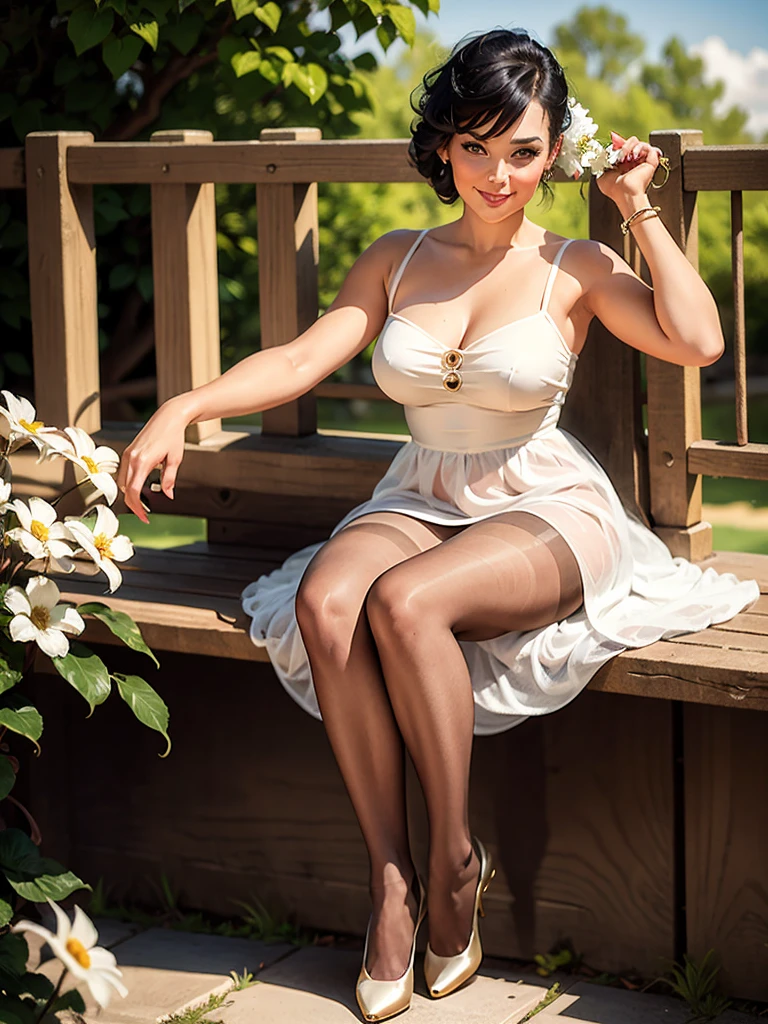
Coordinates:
x,y
656,210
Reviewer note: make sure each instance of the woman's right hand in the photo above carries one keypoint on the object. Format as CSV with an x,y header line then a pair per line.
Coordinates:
x,y
160,442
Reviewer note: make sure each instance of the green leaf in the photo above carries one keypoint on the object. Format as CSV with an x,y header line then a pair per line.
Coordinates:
x,y
121,624
184,4
7,780
404,21
122,275
269,14
10,1008
6,913
87,28
18,363
243,7
148,31
120,53
311,79
282,52
365,62
386,34
8,676
244,63
145,283
18,715
14,953
185,33
69,1000
147,705
53,882
86,672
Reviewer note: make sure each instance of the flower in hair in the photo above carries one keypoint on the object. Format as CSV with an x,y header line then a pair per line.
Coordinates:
x,y
580,150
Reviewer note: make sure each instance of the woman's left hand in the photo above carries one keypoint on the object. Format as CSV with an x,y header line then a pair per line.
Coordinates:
x,y
632,173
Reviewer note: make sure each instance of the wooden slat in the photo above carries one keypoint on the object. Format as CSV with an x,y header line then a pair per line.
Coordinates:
x,y
12,168
743,564
739,329
334,389
373,160
723,458
186,293
674,399
288,256
62,282
726,168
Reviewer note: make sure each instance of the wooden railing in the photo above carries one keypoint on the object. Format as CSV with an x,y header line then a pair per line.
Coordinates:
x,y
661,474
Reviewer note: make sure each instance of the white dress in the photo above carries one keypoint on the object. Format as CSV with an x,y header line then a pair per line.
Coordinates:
x,y
485,440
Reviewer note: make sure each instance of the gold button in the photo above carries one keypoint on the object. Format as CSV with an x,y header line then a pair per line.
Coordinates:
x,y
452,381
452,359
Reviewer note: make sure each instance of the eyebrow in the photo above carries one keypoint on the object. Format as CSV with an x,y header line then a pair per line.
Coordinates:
x,y
513,142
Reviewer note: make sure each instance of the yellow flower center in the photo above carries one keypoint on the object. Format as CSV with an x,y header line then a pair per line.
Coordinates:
x,y
102,544
92,466
40,616
583,144
39,530
33,427
76,949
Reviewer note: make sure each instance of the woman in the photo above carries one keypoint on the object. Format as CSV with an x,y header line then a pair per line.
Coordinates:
x,y
494,568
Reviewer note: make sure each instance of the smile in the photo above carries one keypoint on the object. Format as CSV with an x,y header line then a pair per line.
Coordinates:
x,y
495,198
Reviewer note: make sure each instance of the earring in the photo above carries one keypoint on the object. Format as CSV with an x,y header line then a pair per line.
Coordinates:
x,y
547,174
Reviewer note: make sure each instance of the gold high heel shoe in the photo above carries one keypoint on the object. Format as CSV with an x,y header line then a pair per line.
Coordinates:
x,y
377,999
443,974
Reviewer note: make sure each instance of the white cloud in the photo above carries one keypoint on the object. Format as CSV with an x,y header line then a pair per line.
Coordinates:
x,y
745,77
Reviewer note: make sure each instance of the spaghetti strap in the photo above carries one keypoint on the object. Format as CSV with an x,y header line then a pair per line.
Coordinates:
x,y
553,273
401,268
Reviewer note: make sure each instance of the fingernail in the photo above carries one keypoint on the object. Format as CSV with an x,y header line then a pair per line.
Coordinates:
x,y
636,150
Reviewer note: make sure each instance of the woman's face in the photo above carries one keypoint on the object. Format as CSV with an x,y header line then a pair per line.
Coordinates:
x,y
508,165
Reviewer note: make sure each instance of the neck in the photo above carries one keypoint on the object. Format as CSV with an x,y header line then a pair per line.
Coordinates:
x,y
514,232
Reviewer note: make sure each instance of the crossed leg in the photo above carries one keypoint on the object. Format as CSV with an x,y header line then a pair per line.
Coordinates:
x,y
380,608
509,572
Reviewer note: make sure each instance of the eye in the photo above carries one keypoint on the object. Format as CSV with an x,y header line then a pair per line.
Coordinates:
x,y
468,147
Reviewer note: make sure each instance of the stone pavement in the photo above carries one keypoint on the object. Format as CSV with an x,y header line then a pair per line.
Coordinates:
x,y
166,970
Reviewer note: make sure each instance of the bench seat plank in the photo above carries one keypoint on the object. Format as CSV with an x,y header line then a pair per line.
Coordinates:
x,y
187,600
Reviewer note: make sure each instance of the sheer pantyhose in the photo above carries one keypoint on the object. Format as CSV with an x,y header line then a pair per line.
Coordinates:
x,y
381,607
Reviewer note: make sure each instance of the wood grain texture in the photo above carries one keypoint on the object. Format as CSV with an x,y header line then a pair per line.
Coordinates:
x,y
726,168
287,228
726,831
674,394
722,458
186,293
62,284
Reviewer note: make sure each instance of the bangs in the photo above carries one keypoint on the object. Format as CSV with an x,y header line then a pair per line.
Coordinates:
x,y
499,97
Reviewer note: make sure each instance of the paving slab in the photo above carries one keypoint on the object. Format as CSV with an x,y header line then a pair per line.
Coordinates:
x,y
599,1004
165,970
317,986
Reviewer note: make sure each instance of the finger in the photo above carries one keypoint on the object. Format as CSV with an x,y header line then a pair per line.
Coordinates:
x,y
169,476
626,149
618,140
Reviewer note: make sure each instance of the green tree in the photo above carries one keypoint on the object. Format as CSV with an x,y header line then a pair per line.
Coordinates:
x,y
123,70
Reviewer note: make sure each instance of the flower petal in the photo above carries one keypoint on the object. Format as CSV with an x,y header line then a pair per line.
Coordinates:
x,y
17,601
43,591
52,642
22,628
84,930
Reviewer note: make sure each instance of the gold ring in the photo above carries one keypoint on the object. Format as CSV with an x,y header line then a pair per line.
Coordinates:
x,y
664,164
452,381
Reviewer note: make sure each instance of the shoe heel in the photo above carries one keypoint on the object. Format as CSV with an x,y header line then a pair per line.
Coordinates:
x,y
480,907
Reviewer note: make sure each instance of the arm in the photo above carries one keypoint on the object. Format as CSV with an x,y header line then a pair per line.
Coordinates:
x,y
677,319
266,378
276,375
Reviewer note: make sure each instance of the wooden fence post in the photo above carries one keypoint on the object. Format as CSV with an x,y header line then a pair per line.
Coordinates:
x,y
674,392
62,285
186,285
288,257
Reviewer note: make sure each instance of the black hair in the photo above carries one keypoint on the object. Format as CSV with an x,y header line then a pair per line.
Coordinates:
x,y
493,76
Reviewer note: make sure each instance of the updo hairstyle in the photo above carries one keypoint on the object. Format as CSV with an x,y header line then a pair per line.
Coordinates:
x,y
492,77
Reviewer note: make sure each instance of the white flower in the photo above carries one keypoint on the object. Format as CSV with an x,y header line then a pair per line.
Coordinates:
x,y
18,423
96,464
40,535
5,494
38,616
103,543
75,946
580,149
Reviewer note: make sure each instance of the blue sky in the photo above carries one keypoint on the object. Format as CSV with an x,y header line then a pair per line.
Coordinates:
x,y
742,24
